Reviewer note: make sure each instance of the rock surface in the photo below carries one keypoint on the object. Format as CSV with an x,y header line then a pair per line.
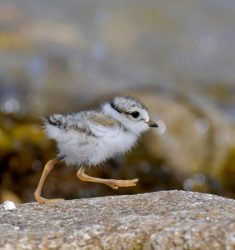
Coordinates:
x,y
161,220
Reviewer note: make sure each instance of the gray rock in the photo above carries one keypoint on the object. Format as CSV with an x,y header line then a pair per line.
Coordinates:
x,y
161,220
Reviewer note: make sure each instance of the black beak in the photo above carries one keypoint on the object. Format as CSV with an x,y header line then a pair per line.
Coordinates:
x,y
152,124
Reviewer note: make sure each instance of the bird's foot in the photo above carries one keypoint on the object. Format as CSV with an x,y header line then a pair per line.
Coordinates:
x,y
115,184
43,200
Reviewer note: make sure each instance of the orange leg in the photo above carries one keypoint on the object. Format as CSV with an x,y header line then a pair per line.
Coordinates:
x,y
47,169
114,184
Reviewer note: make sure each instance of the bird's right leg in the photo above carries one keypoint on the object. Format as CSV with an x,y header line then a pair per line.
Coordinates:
x,y
47,169
114,184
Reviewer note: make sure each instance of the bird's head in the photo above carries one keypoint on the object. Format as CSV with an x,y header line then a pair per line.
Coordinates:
x,y
131,113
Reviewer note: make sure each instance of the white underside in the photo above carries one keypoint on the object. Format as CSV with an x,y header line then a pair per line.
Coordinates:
x,y
81,149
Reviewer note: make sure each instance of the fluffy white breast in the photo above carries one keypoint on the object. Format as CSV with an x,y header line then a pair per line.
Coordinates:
x,y
110,142
119,143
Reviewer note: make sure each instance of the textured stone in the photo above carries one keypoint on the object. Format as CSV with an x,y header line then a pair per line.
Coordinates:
x,y
161,220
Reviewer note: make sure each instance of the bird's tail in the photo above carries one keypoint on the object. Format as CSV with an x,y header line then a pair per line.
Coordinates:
x,y
56,120
54,124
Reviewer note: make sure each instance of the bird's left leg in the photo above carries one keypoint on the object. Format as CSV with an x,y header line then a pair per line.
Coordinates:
x,y
115,184
47,169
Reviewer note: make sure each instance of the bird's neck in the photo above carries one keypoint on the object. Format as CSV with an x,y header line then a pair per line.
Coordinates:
x,y
108,110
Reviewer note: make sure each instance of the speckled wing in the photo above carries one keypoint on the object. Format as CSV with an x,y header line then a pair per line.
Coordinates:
x,y
88,123
58,125
101,124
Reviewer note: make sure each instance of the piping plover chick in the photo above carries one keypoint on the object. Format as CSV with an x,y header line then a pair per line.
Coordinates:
x,y
89,138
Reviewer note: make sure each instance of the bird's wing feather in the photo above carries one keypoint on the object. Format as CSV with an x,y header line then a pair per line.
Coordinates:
x,y
101,124
91,123
101,119
72,122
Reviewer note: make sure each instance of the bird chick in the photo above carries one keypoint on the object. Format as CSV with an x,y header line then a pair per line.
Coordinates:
x,y
88,138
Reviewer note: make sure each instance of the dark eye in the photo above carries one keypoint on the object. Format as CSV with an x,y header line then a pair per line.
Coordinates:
x,y
135,114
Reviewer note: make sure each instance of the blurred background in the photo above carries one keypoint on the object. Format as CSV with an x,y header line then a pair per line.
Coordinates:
x,y
178,57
